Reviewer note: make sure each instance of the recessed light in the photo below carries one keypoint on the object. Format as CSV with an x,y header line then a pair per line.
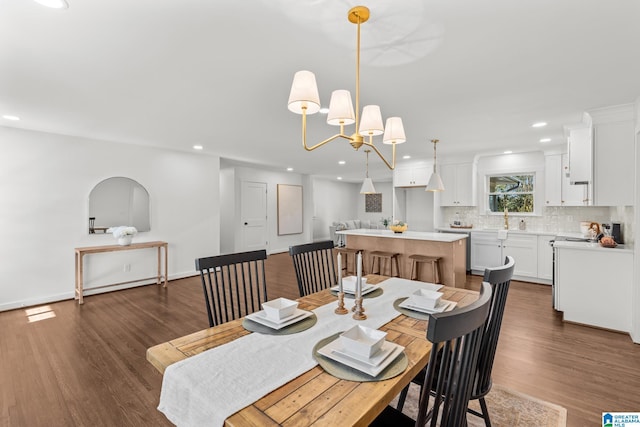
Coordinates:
x,y
10,117
289,169
339,178
54,4
539,125
545,140
324,111
406,157
198,147
341,162
508,152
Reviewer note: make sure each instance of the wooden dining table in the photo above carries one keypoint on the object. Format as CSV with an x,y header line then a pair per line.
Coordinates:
x,y
316,397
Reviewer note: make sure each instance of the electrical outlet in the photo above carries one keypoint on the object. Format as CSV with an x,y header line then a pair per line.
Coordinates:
x,y
127,268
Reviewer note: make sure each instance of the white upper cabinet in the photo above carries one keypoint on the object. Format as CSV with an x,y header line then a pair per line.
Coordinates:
x,y
417,176
614,156
459,185
557,188
580,149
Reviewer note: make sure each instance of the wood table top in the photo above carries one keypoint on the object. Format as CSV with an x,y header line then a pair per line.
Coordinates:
x,y
317,397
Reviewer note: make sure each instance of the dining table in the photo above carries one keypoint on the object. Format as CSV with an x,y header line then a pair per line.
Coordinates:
x,y
315,396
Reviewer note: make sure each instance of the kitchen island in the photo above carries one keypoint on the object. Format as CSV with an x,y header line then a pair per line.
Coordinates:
x,y
451,248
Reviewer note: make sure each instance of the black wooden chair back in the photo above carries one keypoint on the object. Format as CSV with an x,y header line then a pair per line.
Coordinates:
x,y
450,372
313,263
92,224
234,285
500,279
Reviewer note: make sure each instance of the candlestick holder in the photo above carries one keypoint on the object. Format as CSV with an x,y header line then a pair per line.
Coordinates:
x,y
359,310
340,309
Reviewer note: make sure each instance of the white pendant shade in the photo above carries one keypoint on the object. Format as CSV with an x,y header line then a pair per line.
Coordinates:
x,y
304,93
394,131
371,121
341,108
435,183
54,4
367,187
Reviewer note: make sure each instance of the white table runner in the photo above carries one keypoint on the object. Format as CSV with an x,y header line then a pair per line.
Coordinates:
x,y
206,389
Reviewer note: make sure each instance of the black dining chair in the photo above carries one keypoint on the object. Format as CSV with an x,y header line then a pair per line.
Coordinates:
x,y
92,224
314,267
450,372
499,278
234,285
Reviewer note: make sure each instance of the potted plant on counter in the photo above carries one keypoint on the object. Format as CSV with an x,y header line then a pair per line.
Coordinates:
x,y
399,226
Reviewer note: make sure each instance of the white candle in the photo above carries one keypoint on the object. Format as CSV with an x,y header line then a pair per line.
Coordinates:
x,y
339,272
359,277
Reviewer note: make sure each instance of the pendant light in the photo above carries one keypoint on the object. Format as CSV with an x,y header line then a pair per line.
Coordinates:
x,y
367,185
435,182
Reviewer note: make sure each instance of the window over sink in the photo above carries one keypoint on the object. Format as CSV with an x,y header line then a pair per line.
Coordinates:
x,y
515,192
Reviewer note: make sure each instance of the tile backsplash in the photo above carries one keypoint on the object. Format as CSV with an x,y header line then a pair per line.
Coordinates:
x,y
552,220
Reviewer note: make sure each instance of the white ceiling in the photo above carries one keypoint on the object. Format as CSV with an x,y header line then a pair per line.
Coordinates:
x,y
173,74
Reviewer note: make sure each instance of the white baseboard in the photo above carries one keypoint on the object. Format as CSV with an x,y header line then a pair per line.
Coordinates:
x,y
48,299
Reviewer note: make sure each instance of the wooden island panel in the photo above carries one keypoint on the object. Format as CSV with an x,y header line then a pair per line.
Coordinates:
x,y
453,256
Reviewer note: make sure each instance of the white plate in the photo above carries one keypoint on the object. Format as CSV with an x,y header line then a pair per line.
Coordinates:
x,y
261,317
365,289
333,351
443,306
379,357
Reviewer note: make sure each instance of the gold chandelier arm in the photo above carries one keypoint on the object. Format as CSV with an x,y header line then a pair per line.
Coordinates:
x,y
320,144
391,166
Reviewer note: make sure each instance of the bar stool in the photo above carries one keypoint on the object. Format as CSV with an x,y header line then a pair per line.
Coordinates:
x,y
381,257
346,254
416,260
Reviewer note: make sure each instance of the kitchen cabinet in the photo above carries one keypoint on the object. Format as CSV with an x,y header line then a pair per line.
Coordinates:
x,y
489,251
545,257
486,250
594,286
417,176
557,187
459,185
614,156
580,150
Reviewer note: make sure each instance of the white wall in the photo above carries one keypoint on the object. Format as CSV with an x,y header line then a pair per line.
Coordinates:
x,y
272,179
333,201
227,210
384,188
45,181
419,208
635,305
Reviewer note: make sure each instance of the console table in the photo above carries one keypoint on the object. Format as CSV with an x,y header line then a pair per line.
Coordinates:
x,y
81,252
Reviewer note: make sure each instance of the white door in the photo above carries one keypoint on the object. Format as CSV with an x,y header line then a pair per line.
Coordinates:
x,y
254,216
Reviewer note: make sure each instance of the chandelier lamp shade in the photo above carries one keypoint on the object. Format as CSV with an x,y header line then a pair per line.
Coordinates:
x,y
304,100
435,182
367,185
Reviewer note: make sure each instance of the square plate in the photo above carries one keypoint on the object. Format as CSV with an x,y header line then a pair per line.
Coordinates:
x,y
329,351
365,289
379,357
443,306
261,317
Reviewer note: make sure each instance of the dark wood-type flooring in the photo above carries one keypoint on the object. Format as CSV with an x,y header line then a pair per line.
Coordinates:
x,y
86,366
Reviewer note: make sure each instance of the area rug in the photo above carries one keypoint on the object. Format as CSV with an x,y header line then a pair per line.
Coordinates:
x,y
507,408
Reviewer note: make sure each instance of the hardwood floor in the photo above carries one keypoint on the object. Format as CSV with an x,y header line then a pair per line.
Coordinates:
x,y
86,366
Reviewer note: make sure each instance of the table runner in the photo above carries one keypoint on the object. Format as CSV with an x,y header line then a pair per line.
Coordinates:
x,y
207,388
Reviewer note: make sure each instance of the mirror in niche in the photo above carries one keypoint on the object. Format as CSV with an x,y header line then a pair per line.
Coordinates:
x,y
118,201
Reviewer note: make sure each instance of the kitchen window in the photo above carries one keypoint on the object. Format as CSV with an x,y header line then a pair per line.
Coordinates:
x,y
515,192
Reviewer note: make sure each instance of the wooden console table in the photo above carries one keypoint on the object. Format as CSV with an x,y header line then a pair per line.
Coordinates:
x,y
81,252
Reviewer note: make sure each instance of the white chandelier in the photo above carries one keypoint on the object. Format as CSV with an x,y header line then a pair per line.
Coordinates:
x,y
304,99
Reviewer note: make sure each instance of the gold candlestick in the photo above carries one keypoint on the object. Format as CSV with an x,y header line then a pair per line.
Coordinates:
x,y
359,310
340,309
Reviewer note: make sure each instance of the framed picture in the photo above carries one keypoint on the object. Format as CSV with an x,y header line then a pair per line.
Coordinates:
x,y
289,209
373,202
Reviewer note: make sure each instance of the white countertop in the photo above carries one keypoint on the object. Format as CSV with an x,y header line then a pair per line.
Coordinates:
x,y
409,235
589,246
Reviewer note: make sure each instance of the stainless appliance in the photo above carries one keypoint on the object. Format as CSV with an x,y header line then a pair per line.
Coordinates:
x,y
613,229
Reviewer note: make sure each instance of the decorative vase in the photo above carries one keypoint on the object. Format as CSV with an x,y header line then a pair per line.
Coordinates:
x,y
125,240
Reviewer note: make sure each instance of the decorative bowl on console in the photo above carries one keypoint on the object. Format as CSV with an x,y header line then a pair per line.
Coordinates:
x,y
398,227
